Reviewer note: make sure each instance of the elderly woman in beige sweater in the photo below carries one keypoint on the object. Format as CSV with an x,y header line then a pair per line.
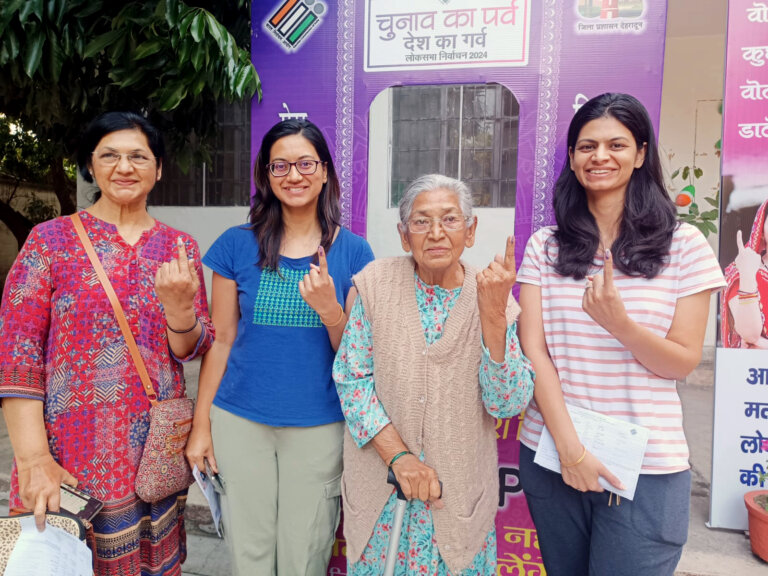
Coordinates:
x,y
428,360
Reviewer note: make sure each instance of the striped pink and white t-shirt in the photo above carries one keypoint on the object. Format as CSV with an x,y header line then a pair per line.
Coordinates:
x,y
596,371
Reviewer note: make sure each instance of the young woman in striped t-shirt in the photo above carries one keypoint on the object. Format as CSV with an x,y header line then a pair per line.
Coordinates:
x,y
614,302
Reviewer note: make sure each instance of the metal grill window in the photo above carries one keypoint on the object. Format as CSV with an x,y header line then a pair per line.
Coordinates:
x,y
227,182
466,131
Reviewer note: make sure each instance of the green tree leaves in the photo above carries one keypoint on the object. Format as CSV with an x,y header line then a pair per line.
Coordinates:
x,y
62,62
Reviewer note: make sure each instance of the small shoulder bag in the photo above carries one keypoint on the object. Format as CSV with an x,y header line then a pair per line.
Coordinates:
x,y
163,469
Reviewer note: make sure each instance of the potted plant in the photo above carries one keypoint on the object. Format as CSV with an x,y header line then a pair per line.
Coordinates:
x,y
757,510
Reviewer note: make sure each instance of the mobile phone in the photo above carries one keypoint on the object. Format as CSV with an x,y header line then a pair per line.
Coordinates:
x,y
79,503
216,479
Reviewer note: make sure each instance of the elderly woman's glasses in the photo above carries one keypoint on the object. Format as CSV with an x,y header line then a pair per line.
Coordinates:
x,y
282,168
423,224
137,159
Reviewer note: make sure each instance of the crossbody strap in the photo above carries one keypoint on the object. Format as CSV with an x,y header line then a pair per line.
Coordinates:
x,y
138,361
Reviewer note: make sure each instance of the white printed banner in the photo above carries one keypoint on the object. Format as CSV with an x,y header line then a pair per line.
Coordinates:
x,y
739,454
399,37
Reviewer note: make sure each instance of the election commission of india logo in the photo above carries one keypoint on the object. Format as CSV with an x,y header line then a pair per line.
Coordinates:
x,y
293,21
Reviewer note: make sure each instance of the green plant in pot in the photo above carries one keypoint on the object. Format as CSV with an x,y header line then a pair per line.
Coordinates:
x,y
756,502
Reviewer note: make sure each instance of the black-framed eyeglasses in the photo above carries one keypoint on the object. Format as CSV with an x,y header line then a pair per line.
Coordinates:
x,y
305,167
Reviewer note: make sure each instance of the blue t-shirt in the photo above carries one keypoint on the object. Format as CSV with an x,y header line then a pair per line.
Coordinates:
x,y
279,368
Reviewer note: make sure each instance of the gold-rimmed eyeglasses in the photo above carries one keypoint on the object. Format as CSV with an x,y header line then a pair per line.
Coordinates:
x,y
137,159
450,222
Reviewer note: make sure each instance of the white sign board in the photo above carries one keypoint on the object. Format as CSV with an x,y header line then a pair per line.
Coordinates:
x,y
408,35
741,424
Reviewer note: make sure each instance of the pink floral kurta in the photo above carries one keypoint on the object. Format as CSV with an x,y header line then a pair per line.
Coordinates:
x,y
60,344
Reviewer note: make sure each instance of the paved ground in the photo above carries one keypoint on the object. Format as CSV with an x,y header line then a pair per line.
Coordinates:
x,y
708,552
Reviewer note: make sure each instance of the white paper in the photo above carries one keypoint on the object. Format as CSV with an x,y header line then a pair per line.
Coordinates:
x,y
52,552
206,487
618,444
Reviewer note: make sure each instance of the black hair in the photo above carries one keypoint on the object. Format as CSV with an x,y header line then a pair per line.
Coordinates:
x,y
109,122
649,218
266,214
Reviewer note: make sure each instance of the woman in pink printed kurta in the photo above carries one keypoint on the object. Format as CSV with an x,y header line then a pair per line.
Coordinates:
x,y
64,362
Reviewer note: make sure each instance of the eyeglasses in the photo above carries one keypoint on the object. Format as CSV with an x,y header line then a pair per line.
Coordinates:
x,y
422,224
137,159
304,167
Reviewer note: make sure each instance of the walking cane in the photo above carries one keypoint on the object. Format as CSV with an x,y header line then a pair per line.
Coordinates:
x,y
397,524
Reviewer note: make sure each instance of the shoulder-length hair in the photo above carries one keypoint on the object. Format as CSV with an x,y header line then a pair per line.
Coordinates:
x,y
648,220
266,214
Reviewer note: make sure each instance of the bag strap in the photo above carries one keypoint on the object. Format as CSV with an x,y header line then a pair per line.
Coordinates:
x,y
138,361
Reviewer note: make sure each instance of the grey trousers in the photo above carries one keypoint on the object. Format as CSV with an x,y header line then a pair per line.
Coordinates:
x,y
580,535
281,507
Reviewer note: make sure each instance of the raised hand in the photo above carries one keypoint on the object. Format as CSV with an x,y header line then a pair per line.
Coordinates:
x,y
318,290
495,282
176,284
748,263
602,300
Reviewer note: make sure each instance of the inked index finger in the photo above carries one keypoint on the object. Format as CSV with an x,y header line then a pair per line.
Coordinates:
x,y
178,265
739,241
181,250
608,269
321,260
509,254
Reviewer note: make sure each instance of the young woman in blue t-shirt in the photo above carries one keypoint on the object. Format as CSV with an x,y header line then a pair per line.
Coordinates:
x,y
266,398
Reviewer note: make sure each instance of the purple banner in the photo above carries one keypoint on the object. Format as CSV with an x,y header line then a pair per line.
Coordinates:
x,y
741,378
329,60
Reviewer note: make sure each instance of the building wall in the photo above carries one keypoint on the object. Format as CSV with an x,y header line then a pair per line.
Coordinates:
x,y
8,244
692,90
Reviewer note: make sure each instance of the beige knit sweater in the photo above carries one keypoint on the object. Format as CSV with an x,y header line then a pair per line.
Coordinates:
x,y
433,398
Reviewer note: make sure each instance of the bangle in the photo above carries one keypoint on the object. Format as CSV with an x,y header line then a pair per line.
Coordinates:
x,y
341,317
398,456
572,464
188,330
747,298
748,294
